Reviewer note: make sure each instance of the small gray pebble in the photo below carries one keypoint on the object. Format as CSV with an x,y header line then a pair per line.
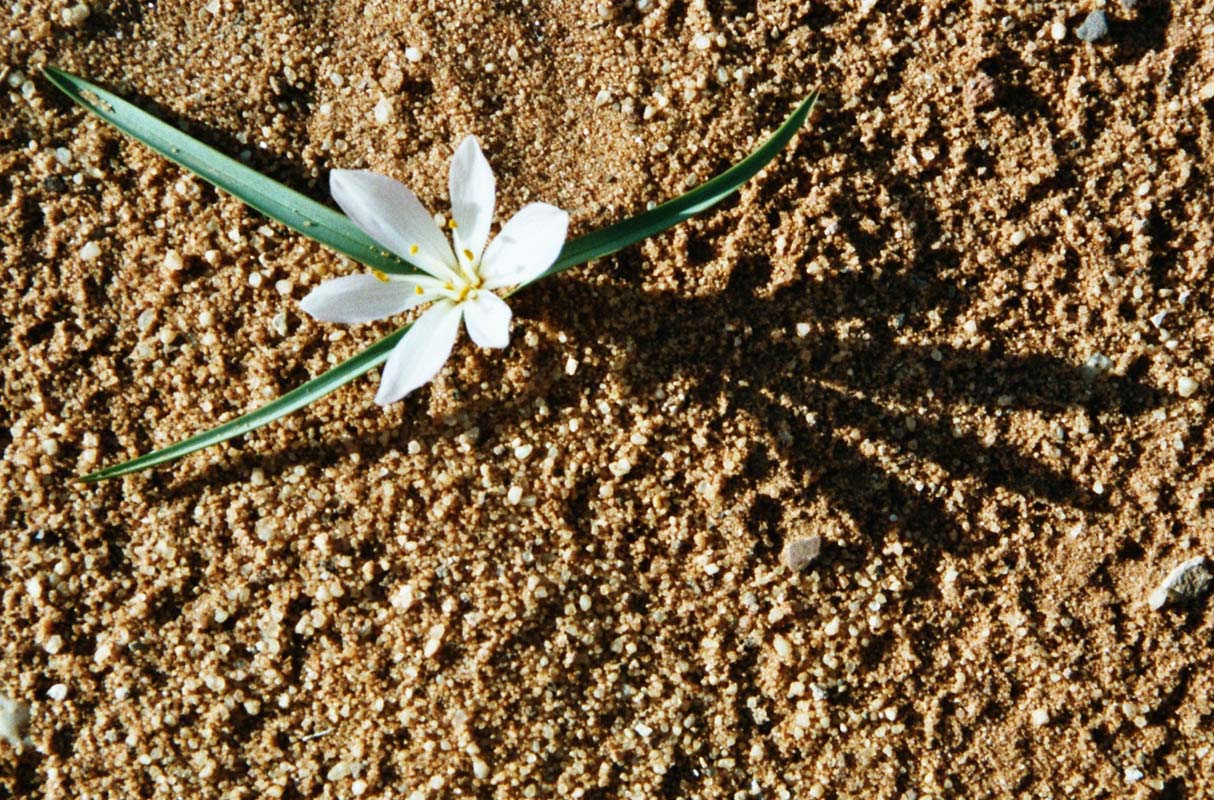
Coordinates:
x,y
1129,5
1095,27
1185,584
800,553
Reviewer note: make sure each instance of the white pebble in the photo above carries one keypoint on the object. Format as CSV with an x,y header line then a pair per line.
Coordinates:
x,y
702,42
57,692
523,452
620,468
14,717
514,494
480,770
1133,775
1058,31
145,319
284,286
1186,386
358,787
383,111
413,54
1173,585
1040,718
571,366
602,98
173,261
206,319
90,251
1017,238
76,15
802,329
54,644
255,279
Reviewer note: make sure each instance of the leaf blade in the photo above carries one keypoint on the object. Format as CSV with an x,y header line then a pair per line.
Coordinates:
x,y
613,238
293,400
293,209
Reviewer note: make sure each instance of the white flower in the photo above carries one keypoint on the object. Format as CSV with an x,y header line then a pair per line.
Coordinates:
x,y
457,284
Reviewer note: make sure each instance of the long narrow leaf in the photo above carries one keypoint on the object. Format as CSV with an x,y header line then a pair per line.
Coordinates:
x,y
293,400
297,211
333,229
632,230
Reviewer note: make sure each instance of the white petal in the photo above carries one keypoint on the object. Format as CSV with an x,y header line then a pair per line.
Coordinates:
x,y
528,244
421,353
473,189
488,319
360,298
389,213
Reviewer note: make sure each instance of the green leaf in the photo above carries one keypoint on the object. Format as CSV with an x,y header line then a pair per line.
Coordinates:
x,y
606,241
335,230
297,211
293,400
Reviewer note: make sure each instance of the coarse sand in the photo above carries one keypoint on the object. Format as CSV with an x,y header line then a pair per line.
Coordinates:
x,y
961,330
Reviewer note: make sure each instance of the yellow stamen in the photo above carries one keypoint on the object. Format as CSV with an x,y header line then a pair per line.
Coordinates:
x,y
413,250
449,286
380,275
463,293
418,290
467,254
452,224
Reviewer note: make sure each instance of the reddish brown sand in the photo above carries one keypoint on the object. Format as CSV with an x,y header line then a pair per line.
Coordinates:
x,y
556,572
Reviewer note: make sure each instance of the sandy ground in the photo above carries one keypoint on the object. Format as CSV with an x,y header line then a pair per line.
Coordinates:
x,y
961,330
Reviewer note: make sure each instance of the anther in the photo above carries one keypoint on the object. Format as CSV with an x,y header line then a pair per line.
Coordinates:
x,y
468,254
383,277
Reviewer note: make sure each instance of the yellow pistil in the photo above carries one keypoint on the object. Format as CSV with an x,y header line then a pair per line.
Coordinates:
x,y
383,277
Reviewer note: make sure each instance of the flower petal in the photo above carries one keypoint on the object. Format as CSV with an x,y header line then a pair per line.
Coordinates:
x,y
527,245
488,319
389,213
421,353
473,190
360,298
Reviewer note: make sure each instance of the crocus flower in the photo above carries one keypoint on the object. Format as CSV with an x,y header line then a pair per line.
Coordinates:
x,y
458,284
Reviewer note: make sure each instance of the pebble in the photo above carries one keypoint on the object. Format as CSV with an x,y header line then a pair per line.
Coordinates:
x,y
800,553
76,15
90,251
981,91
1040,718
1017,238
1186,386
57,692
1129,5
173,261
14,717
383,111
1058,31
1096,364
1133,775
1186,583
1094,28
413,54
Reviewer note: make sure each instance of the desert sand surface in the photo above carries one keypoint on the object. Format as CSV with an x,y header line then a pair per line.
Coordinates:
x,y
961,331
